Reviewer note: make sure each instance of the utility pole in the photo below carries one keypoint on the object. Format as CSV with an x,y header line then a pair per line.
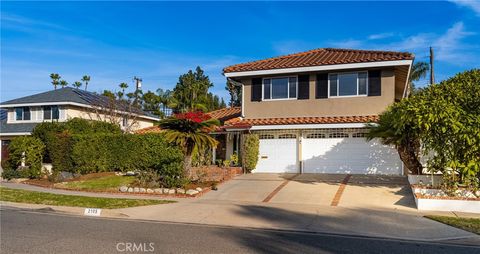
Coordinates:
x,y
432,75
138,86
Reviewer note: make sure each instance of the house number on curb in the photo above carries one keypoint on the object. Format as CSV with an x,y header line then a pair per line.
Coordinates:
x,y
92,212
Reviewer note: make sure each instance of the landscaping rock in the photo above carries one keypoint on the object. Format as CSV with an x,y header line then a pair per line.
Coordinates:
x,y
124,189
64,175
180,191
130,189
143,190
166,191
130,173
192,192
136,189
199,189
149,190
158,190
477,193
171,191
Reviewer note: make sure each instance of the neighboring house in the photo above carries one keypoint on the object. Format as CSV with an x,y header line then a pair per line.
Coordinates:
x,y
21,115
310,109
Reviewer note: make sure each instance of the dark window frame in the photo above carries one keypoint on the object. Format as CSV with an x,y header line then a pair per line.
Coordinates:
x,y
289,88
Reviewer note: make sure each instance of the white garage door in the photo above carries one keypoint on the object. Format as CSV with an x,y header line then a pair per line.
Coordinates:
x,y
278,154
348,153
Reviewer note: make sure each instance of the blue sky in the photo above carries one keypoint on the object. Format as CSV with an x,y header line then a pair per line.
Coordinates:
x,y
158,41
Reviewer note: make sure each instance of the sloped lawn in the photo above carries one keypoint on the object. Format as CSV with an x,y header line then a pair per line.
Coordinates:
x,y
467,224
102,183
33,197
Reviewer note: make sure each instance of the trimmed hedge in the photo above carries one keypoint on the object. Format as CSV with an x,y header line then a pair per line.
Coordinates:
x,y
48,132
106,152
250,151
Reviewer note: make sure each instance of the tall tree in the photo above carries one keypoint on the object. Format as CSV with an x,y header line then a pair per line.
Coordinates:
x,y
86,79
55,78
122,86
77,84
235,92
63,83
419,70
191,91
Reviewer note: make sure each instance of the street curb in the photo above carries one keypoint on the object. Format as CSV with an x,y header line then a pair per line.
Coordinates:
x,y
66,210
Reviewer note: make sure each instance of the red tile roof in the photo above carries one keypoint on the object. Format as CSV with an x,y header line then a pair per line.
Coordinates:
x,y
302,120
225,114
151,129
322,56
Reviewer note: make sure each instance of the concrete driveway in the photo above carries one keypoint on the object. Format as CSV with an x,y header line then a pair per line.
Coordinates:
x,y
356,191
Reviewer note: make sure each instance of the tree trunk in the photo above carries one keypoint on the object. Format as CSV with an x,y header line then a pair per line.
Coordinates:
x,y
408,154
187,165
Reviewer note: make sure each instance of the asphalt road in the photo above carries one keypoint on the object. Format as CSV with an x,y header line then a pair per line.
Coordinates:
x,y
26,231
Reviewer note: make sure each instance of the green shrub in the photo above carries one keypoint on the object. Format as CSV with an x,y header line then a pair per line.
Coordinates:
x,y
127,152
29,150
60,146
48,131
250,151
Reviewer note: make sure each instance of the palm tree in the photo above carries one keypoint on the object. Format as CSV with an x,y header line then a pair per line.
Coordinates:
x,y
55,77
419,70
63,83
123,86
77,84
190,131
86,79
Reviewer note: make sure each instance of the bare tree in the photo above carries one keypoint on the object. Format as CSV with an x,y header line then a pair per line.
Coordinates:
x,y
115,111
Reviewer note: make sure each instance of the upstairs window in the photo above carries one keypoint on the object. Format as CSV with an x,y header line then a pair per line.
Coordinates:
x,y
280,88
22,114
348,84
51,113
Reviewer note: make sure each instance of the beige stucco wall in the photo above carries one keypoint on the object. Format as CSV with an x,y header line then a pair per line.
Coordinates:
x,y
347,106
72,112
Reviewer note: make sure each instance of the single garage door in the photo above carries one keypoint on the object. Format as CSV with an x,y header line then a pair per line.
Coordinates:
x,y
348,153
277,154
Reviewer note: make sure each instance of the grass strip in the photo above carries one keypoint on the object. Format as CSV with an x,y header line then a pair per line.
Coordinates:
x,y
106,183
467,224
34,197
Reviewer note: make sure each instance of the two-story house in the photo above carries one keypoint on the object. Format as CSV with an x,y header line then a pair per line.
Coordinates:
x,y
21,115
310,109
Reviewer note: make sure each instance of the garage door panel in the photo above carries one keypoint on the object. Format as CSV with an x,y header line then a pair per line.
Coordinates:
x,y
277,156
349,155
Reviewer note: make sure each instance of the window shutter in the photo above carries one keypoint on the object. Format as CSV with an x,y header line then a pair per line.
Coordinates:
x,y
374,83
256,89
303,87
321,91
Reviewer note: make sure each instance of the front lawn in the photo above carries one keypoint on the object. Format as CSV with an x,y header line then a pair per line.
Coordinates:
x,y
102,183
33,197
468,224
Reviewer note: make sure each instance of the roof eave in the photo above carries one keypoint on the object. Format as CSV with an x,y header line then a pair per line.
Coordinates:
x,y
319,68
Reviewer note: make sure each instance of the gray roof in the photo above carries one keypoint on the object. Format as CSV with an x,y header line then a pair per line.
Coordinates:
x,y
16,127
66,95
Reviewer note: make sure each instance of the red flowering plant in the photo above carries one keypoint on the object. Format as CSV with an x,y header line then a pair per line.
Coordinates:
x,y
190,131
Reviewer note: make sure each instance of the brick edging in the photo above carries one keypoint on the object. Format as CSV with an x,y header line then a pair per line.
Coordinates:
x,y
341,188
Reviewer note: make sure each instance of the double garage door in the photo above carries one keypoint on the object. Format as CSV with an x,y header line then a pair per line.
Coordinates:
x,y
325,151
